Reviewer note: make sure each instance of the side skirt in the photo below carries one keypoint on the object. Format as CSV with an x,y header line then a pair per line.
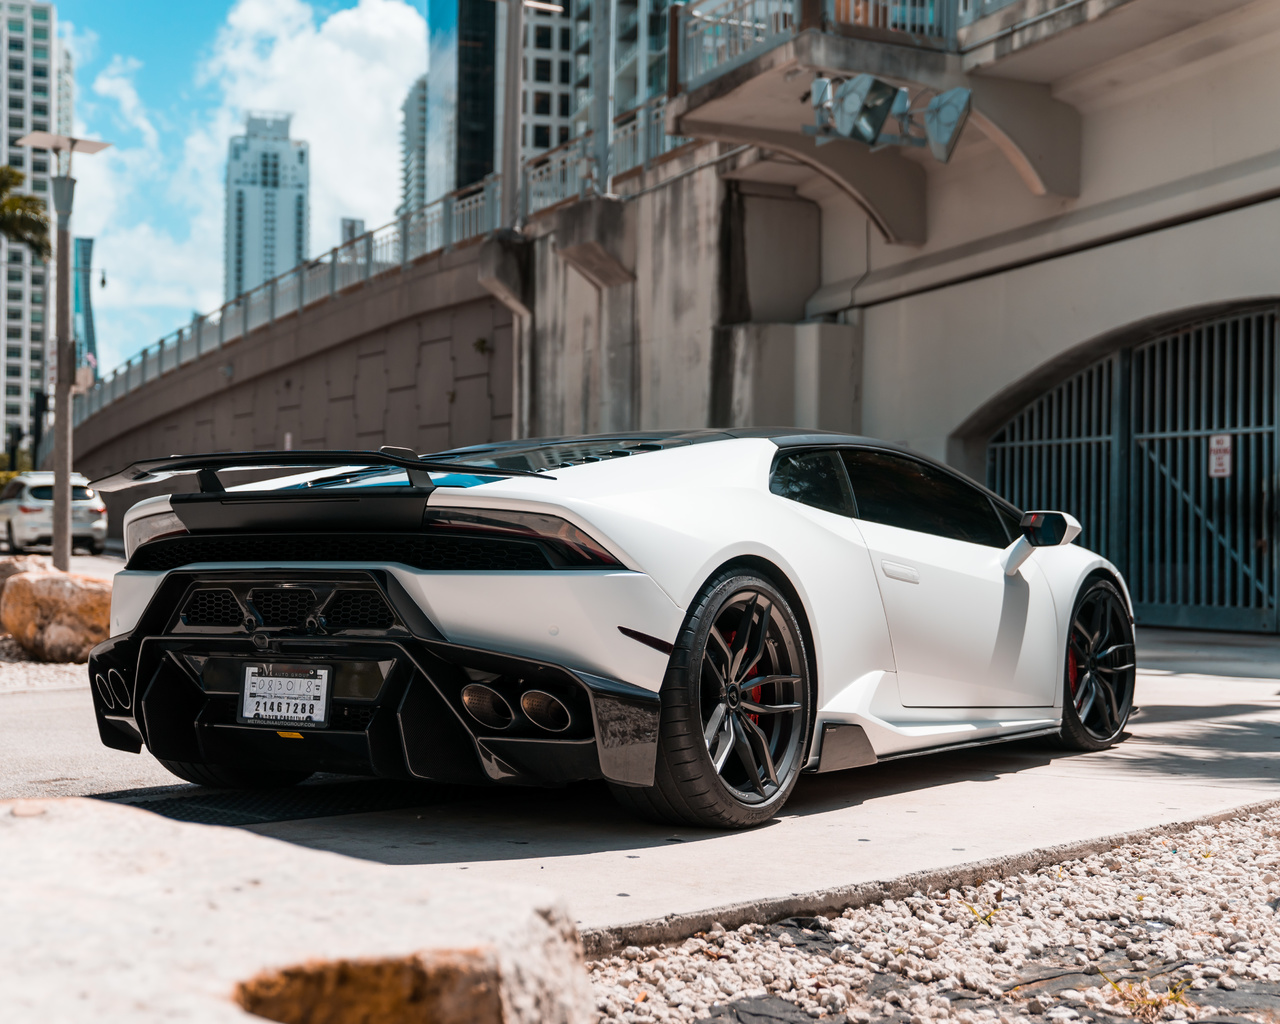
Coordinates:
x,y
991,741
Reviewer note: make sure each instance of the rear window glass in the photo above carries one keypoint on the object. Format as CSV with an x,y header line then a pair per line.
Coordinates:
x,y
45,493
555,454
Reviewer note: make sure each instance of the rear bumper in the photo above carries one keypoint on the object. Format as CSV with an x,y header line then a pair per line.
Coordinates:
x,y
176,690
40,531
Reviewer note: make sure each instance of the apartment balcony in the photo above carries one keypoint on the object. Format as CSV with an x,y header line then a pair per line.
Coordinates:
x,y
744,71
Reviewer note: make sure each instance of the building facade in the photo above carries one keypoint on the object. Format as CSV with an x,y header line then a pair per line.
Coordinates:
x,y
413,148
547,95
463,94
82,306
267,203
36,93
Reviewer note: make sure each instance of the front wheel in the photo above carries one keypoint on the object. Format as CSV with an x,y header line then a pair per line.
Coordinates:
x,y
736,710
223,776
1101,669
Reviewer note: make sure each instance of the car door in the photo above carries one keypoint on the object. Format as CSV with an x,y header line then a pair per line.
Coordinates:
x,y
964,634
840,581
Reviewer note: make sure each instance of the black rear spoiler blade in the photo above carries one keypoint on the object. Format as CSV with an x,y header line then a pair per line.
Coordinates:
x,y
206,467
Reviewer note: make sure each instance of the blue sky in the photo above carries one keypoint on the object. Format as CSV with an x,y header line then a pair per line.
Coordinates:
x,y
168,82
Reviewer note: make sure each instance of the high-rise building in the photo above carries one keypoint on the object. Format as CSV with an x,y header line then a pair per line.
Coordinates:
x,y
267,212
36,95
465,87
638,38
82,306
413,148
350,229
547,100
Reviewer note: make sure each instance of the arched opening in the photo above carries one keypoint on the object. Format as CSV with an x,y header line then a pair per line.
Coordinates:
x,y
1165,449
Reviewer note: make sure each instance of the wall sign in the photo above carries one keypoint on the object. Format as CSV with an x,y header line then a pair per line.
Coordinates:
x,y
1220,455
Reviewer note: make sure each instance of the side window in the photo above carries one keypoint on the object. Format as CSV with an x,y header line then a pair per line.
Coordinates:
x,y
812,478
1012,520
901,491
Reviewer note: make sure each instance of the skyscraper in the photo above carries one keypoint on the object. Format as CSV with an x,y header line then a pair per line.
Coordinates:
x,y
465,86
413,148
267,211
36,93
82,306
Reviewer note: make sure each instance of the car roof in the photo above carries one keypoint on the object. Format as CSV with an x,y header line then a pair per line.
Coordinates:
x,y
783,437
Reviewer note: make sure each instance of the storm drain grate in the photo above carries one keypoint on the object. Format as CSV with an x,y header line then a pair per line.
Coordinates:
x,y
319,800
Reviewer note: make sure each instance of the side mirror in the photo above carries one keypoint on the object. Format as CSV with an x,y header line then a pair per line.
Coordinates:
x,y
1039,530
1049,529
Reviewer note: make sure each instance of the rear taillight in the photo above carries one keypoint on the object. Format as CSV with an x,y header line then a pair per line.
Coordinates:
x,y
27,510
100,509
561,537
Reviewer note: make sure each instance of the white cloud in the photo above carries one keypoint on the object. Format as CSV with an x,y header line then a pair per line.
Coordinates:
x,y
116,83
155,200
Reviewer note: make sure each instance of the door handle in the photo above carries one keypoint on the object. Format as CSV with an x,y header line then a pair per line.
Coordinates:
x,y
898,571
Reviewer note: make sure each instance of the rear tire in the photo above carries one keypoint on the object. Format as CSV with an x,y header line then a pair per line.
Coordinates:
x,y
1100,669
739,674
97,549
223,776
14,547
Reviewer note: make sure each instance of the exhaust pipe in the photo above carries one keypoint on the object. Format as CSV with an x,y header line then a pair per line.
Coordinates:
x,y
545,711
104,691
118,686
487,706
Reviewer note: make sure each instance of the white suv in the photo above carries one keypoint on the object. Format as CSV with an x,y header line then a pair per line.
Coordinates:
x,y
26,513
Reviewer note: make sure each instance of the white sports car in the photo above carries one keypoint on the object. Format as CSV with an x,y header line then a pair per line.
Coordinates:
x,y
696,618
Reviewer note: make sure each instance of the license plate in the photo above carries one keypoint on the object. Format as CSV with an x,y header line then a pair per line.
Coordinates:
x,y
286,695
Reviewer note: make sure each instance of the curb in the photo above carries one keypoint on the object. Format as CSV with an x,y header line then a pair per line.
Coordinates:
x,y
601,942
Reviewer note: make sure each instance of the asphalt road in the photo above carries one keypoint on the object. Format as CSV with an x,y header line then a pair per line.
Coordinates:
x,y
1201,744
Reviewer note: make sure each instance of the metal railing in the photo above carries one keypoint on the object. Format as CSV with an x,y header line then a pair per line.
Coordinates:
x,y
715,38
565,172
720,36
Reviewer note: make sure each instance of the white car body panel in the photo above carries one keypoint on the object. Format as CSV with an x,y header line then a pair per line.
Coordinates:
x,y
964,633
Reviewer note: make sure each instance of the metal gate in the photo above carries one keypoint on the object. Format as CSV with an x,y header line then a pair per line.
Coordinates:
x,y
1166,453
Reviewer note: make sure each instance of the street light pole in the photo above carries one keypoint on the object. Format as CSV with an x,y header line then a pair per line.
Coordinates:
x,y
64,190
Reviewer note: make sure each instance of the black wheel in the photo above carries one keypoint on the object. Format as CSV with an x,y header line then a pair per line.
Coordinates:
x,y
1100,671
223,776
736,710
14,547
96,548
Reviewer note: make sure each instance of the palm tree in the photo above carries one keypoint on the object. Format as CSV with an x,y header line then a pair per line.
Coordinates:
x,y
23,218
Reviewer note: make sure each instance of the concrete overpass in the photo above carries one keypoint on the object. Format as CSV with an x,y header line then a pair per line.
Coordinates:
x,y
419,356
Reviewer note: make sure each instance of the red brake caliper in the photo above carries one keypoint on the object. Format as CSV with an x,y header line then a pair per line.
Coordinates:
x,y
1073,670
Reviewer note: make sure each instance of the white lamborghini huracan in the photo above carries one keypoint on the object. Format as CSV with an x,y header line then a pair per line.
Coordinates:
x,y
696,618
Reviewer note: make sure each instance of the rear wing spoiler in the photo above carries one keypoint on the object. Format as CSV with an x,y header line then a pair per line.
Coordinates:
x,y
207,467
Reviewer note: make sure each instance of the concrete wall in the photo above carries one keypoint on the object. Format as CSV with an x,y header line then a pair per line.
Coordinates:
x,y
421,359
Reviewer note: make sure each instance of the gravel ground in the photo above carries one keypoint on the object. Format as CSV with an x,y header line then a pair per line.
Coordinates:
x,y
18,673
1185,927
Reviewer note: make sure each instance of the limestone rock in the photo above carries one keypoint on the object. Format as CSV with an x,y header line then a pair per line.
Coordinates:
x,y
15,564
56,616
